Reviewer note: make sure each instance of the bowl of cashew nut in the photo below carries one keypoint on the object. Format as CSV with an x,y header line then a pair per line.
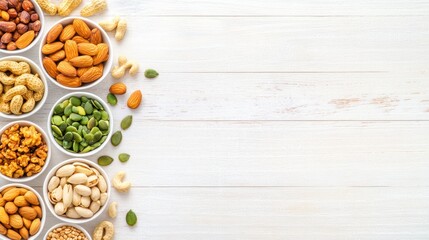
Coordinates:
x,y
76,190
23,87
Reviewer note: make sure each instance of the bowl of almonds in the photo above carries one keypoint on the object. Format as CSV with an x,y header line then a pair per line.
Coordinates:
x,y
21,23
22,213
76,191
23,87
25,151
67,231
76,53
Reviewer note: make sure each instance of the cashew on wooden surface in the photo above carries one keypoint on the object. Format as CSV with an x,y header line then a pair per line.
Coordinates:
x,y
104,231
119,183
113,209
124,65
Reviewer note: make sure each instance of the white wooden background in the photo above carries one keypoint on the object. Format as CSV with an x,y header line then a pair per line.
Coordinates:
x,y
274,119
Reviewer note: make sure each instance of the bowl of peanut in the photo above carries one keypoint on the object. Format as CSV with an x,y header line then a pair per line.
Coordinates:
x,y
76,53
23,87
25,151
23,214
67,231
21,25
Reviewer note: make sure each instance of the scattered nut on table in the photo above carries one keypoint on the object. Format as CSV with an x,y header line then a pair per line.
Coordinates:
x,y
23,151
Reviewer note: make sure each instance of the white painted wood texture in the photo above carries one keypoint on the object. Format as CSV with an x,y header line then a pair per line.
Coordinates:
x,y
298,119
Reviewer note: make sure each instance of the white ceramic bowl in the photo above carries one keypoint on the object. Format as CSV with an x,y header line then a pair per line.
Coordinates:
x,y
80,94
37,38
45,138
34,69
87,235
52,173
107,64
42,206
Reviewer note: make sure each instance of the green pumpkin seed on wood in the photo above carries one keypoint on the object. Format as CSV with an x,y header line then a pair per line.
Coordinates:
x,y
111,99
124,157
131,218
126,122
151,73
105,160
116,138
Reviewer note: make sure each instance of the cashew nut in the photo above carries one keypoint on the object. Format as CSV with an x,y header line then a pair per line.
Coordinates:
x,y
104,231
113,209
124,64
119,184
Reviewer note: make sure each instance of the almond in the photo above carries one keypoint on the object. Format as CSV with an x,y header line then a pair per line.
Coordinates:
x,y
4,217
87,49
52,47
5,190
79,39
13,235
20,201
24,233
70,47
91,75
81,28
28,213
103,53
81,71
35,226
95,37
50,67
67,69
25,39
31,198
27,223
11,194
118,89
100,66
54,33
3,229
69,81
82,61
58,56
10,208
39,211
67,33
135,99
16,221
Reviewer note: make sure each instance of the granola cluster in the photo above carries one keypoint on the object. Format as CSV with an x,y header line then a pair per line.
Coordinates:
x,y
22,151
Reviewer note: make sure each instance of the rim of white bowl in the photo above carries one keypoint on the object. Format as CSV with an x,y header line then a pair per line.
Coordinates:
x,y
38,37
107,64
42,205
47,141
80,94
87,235
51,174
36,69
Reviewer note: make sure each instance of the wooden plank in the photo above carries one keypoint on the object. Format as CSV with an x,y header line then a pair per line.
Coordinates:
x,y
277,44
206,153
274,96
268,7
273,213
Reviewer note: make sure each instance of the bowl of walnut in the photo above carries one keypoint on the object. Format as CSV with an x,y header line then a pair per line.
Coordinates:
x,y
25,151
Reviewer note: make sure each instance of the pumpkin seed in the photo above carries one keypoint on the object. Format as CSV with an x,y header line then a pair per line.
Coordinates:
x,y
105,160
111,99
116,138
103,125
56,130
131,218
104,115
57,120
68,136
91,123
151,73
87,149
126,122
76,137
68,110
59,109
88,108
75,117
75,101
124,157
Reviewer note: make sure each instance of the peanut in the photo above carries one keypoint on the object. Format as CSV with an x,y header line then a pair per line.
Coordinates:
x,y
94,7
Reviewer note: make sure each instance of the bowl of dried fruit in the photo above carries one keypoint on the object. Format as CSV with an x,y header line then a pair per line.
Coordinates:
x,y
25,151
80,124
21,25
23,87
67,231
76,53
76,190
22,214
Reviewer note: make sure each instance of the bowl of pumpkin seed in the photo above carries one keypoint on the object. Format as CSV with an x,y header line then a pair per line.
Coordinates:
x,y
80,124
